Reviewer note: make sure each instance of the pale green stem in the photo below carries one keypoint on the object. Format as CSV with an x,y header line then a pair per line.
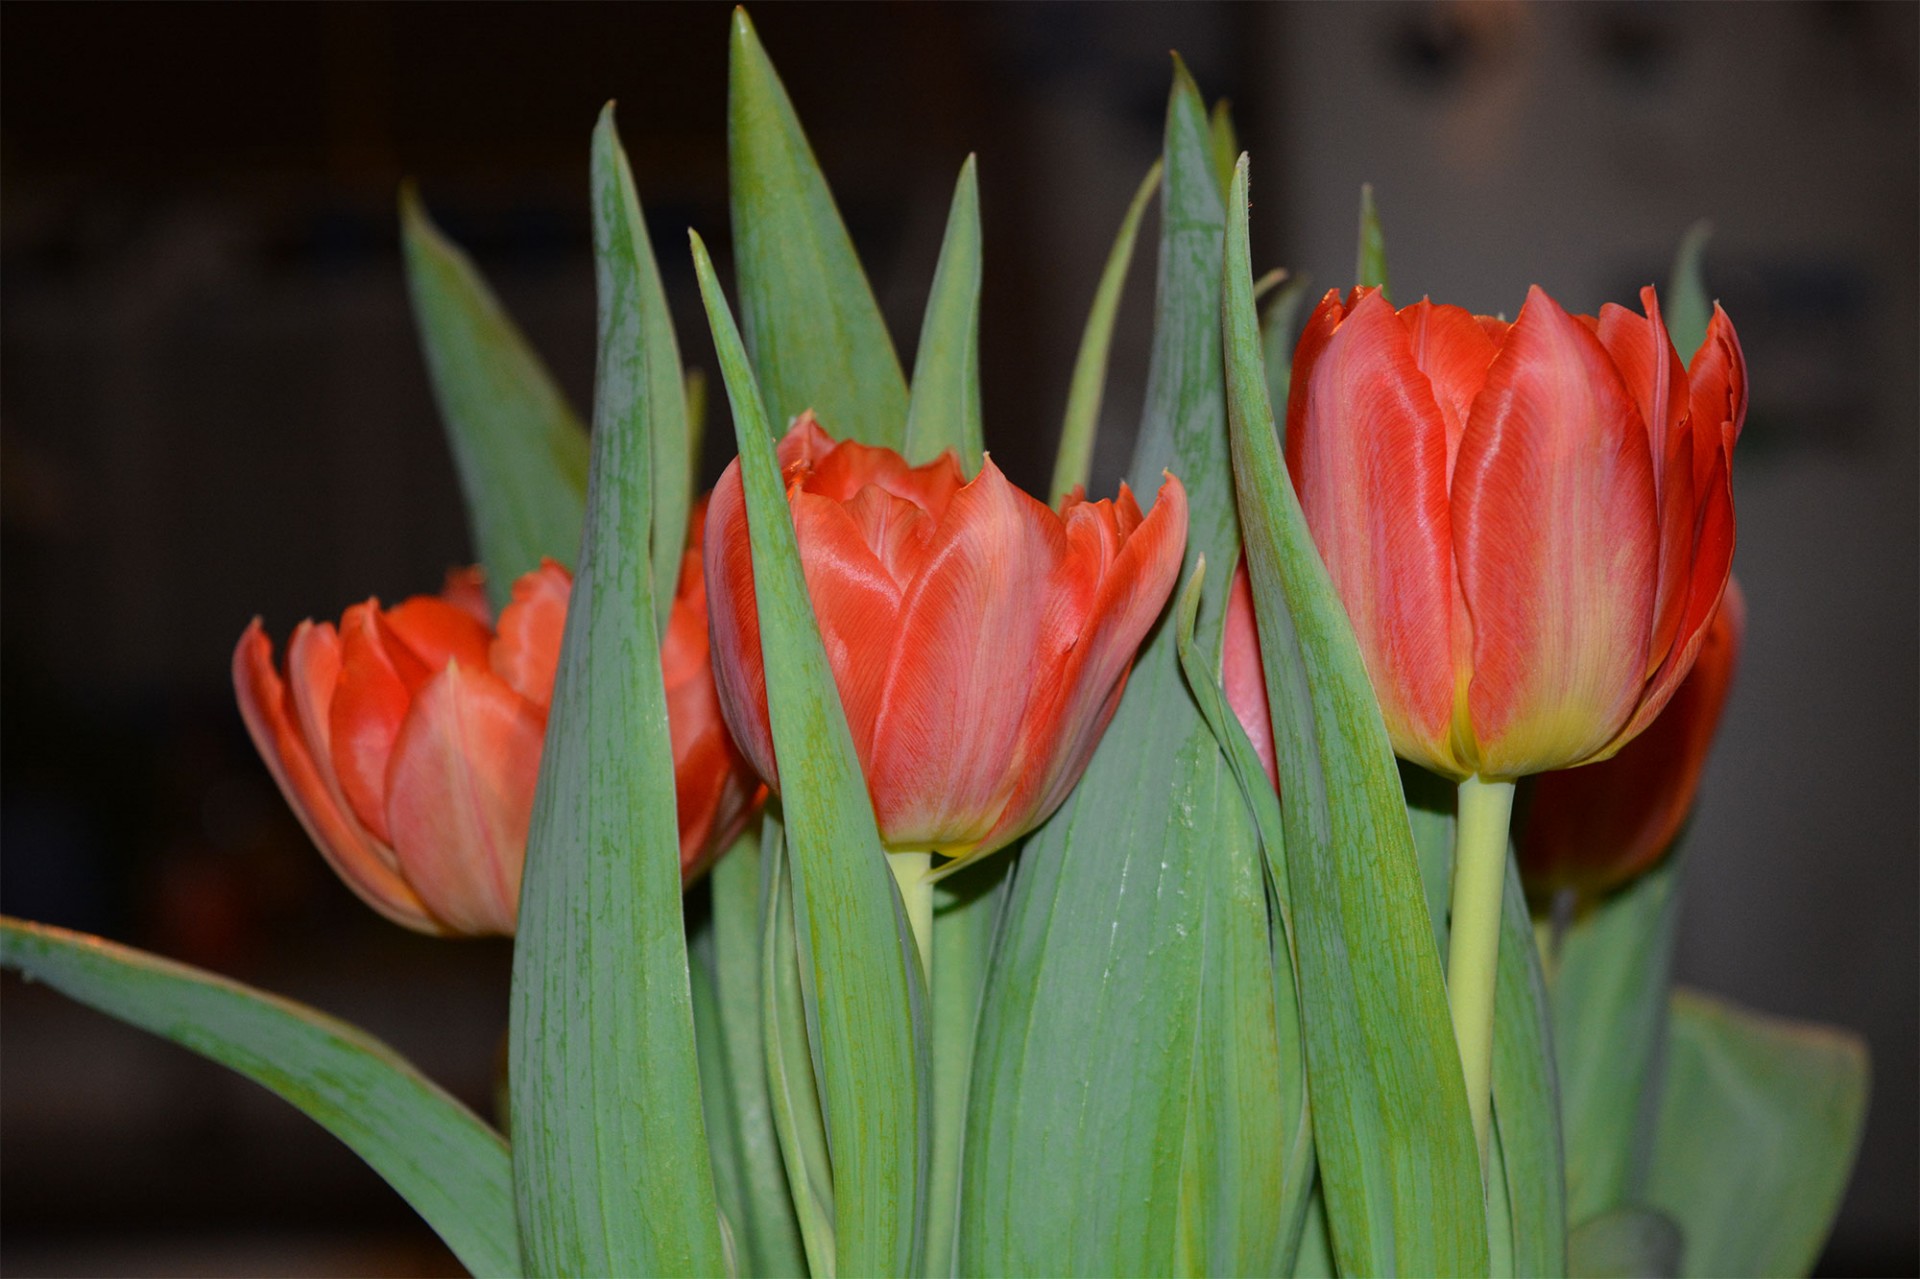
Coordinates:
x,y
910,871
1473,948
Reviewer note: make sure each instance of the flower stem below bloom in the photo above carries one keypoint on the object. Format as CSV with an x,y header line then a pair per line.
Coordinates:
x,y
1473,948
911,872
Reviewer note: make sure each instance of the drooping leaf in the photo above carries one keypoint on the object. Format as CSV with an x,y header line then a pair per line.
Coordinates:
x,y
943,405
1370,268
520,452
611,1170
1074,460
441,1157
1612,974
811,323
1758,1129
1398,1160
1088,1034
1688,307
867,1013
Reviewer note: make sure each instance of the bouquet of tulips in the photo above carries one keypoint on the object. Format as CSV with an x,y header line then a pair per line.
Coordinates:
x,y
913,876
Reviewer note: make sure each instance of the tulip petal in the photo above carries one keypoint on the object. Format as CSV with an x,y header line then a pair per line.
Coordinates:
x,y
433,633
841,469
1314,336
369,705
740,673
1596,827
1243,676
1451,348
856,601
962,667
1557,538
267,707
1643,355
526,652
460,796
1717,384
1368,453
466,590
1070,709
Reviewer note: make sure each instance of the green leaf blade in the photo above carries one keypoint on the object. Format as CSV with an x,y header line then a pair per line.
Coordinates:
x,y
943,405
612,1171
811,323
859,963
1689,307
1758,1130
441,1157
1370,266
521,453
1073,462
1397,1154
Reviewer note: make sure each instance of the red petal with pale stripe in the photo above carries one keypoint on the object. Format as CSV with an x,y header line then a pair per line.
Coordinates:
x,y
526,652
460,796
1368,450
1556,531
965,660
266,704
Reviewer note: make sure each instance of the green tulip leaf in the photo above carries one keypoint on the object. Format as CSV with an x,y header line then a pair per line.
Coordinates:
x,y
860,974
943,407
442,1158
520,452
734,1062
1688,306
1626,1243
1279,333
1370,268
815,332
1759,1124
1074,460
1398,1160
611,1171
1224,144
1612,975
1128,937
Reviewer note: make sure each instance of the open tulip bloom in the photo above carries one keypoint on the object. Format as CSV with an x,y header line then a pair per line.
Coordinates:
x,y
1059,930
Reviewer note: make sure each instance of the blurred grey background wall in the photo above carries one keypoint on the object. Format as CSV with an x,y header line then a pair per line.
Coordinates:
x,y
213,407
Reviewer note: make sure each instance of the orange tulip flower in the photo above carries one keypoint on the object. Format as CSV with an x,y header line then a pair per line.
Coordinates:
x,y
1530,524
408,741
1243,677
1592,829
980,641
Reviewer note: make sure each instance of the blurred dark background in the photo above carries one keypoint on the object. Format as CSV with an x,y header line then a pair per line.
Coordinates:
x,y
213,407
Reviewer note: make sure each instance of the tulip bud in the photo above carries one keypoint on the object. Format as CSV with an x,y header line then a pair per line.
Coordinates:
x,y
980,641
1592,829
408,741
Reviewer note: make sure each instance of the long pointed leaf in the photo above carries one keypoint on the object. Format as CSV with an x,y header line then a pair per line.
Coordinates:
x,y
943,405
816,334
1074,460
439,1155
611,1170
765,1229
1370,268
520,452
1397,1154
1089,1035
1761,1121
868,1016
1688,308
661,395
